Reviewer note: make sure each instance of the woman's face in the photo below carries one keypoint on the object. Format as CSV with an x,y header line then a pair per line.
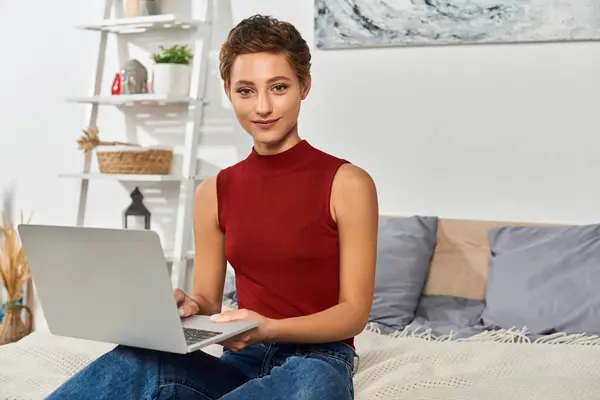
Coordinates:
x,y
266,95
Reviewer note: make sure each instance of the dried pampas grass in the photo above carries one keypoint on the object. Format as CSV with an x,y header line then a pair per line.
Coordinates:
x,y
14,272
14,269
91,139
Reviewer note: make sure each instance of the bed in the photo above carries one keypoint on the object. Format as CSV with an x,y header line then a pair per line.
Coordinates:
x,y
463,310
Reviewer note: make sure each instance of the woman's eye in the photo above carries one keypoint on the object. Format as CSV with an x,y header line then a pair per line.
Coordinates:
x,y
279,88
244,91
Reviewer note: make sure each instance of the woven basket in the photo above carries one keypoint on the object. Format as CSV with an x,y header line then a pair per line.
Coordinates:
x,y
135,161
12,328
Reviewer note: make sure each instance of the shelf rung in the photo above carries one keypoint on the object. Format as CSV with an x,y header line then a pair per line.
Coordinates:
x,y
189,255
149,99
123,177
144,24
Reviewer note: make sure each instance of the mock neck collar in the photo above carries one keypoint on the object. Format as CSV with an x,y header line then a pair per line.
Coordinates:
x,y
286,161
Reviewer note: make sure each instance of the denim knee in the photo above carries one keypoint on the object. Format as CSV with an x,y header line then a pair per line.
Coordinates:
x,y
178,391
323,378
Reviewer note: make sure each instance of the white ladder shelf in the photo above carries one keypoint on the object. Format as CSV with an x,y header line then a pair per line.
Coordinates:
x,y
201,31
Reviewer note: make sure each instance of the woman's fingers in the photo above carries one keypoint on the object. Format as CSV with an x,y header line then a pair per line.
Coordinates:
x,y
179,297
237,343
186,306
230,315
237,346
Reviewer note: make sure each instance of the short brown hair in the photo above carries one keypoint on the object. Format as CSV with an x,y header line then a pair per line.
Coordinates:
x,y
261,33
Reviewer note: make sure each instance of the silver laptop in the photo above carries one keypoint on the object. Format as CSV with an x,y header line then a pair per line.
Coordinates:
x,y
113,285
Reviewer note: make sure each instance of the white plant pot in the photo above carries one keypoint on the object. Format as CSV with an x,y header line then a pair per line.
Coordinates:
x,y
137,8
171,79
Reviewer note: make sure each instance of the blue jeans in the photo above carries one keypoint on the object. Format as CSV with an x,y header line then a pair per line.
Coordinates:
x,y
266,371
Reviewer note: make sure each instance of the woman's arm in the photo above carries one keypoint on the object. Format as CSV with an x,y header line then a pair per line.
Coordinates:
x,y
355,208
209,257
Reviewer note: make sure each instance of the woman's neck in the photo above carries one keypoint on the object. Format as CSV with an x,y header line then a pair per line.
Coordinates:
x,y
288,141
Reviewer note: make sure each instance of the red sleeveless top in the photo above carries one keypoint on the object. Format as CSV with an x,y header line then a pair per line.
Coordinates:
x,y
280,237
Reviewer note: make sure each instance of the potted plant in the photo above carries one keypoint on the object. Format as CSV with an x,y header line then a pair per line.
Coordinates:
x,y
171,71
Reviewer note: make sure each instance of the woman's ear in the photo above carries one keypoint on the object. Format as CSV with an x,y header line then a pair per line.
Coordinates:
x,y
306,87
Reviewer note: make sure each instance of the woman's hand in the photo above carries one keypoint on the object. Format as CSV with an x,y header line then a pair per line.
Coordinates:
x,y
185,304
260,334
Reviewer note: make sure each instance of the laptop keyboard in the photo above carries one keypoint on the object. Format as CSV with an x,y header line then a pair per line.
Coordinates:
x,y
193,336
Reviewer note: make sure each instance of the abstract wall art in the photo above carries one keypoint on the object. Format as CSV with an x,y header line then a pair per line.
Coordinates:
x,y
376,23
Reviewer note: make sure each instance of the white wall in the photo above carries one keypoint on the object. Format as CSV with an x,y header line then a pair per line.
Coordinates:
x,y
494,132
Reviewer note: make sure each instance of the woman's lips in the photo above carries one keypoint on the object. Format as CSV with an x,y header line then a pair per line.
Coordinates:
x,y
266,123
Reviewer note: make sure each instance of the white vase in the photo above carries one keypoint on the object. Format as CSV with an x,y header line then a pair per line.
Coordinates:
x,y
139,8
171,79
131,8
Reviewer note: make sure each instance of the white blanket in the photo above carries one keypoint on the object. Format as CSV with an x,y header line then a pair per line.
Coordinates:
x,y
501,365
402,367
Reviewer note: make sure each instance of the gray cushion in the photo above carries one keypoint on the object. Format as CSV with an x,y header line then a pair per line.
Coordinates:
x,y
404,250
544,278
444,315
457,312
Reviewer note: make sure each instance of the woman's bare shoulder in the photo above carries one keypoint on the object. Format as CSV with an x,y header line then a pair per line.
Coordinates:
x,y
206,192
350,178
353,189
205,199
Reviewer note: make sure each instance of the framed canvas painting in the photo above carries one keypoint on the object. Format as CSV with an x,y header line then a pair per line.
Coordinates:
x,y
343,24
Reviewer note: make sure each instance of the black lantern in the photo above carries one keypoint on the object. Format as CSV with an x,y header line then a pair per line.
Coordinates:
x,y
136,215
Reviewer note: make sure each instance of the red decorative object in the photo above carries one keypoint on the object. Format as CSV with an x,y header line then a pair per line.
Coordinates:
x,y
116,86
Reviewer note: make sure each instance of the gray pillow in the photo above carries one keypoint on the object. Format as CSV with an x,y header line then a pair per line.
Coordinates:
x,y
404,250
544,278
457,312
448,314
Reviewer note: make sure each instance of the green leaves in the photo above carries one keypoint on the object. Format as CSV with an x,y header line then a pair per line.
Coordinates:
x,y
177,54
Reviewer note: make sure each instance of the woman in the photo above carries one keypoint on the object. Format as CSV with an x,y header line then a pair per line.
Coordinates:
x,y
298,225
